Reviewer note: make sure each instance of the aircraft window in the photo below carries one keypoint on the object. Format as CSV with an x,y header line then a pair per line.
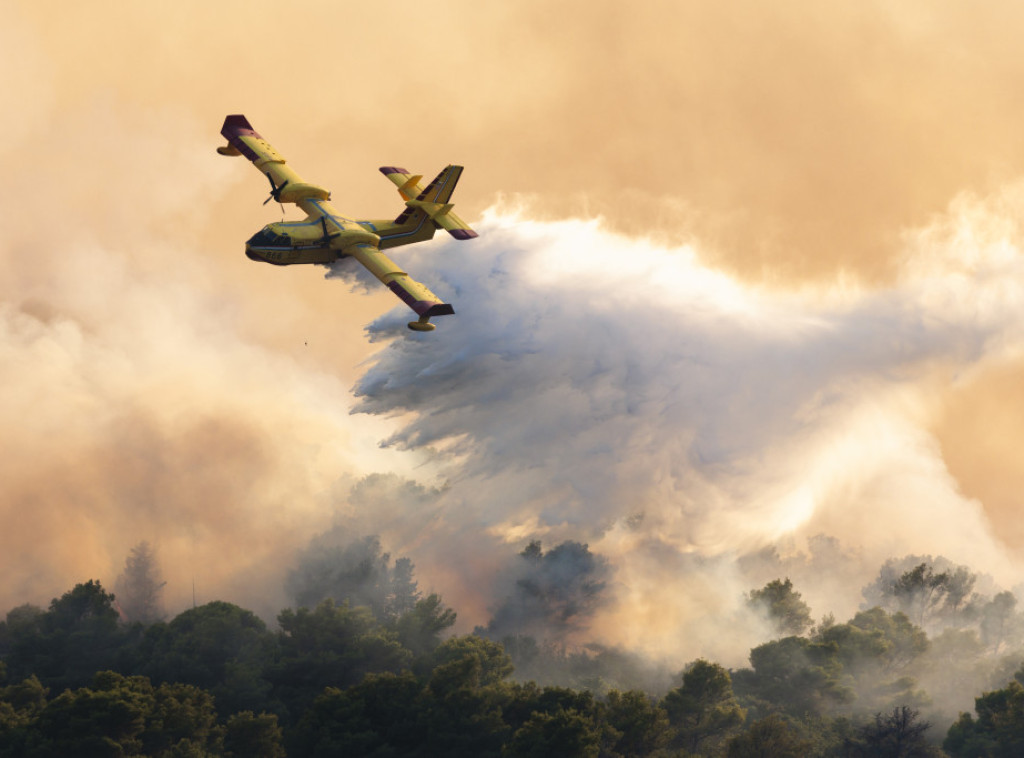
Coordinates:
x,y
267,237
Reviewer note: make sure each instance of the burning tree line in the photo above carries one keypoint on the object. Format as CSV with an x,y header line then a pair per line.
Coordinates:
x,y
362,666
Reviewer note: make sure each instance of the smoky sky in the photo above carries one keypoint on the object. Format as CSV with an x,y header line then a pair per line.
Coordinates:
x,y
796,315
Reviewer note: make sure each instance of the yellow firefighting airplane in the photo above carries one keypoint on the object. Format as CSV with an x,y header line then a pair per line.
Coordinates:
x,y
325,235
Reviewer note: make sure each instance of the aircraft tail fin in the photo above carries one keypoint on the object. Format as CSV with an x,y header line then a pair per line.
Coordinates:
x,y
432,201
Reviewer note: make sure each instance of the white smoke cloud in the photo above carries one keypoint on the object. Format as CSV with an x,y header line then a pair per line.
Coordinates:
x,y
621,393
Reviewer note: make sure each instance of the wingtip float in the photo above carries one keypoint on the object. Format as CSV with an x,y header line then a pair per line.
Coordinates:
x,y
325,235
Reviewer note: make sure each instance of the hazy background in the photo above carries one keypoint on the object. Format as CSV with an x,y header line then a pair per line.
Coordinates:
x,y
798,315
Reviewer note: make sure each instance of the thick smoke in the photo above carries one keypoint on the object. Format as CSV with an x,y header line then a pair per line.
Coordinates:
x,y
612,390
139,403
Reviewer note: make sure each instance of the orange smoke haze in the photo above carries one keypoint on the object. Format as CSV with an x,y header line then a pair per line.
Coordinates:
x,y
159,386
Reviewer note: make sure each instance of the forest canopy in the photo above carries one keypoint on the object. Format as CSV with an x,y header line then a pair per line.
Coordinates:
x,y
365,664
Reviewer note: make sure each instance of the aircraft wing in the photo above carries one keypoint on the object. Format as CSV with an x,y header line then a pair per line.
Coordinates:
x,y
412,293
286,186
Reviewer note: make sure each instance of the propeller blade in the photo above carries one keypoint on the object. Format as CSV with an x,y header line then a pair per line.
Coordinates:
x,y
275,191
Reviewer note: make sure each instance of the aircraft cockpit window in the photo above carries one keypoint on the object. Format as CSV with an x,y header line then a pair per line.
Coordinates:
x,y
269,237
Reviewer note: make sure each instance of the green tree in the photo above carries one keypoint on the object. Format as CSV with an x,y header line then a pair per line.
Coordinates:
x,y
966,739
795,674
67,644
20,706
86,605
521,701
122,715
703,711
253,736
23,625
331,645
640,726
28,696
959,593
770,737
886,641
998,731
567,734
219,647
182,718
384,715
107,719
898,734
874,651
419,629
931,592
920,590
468,661
783,606
465,696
